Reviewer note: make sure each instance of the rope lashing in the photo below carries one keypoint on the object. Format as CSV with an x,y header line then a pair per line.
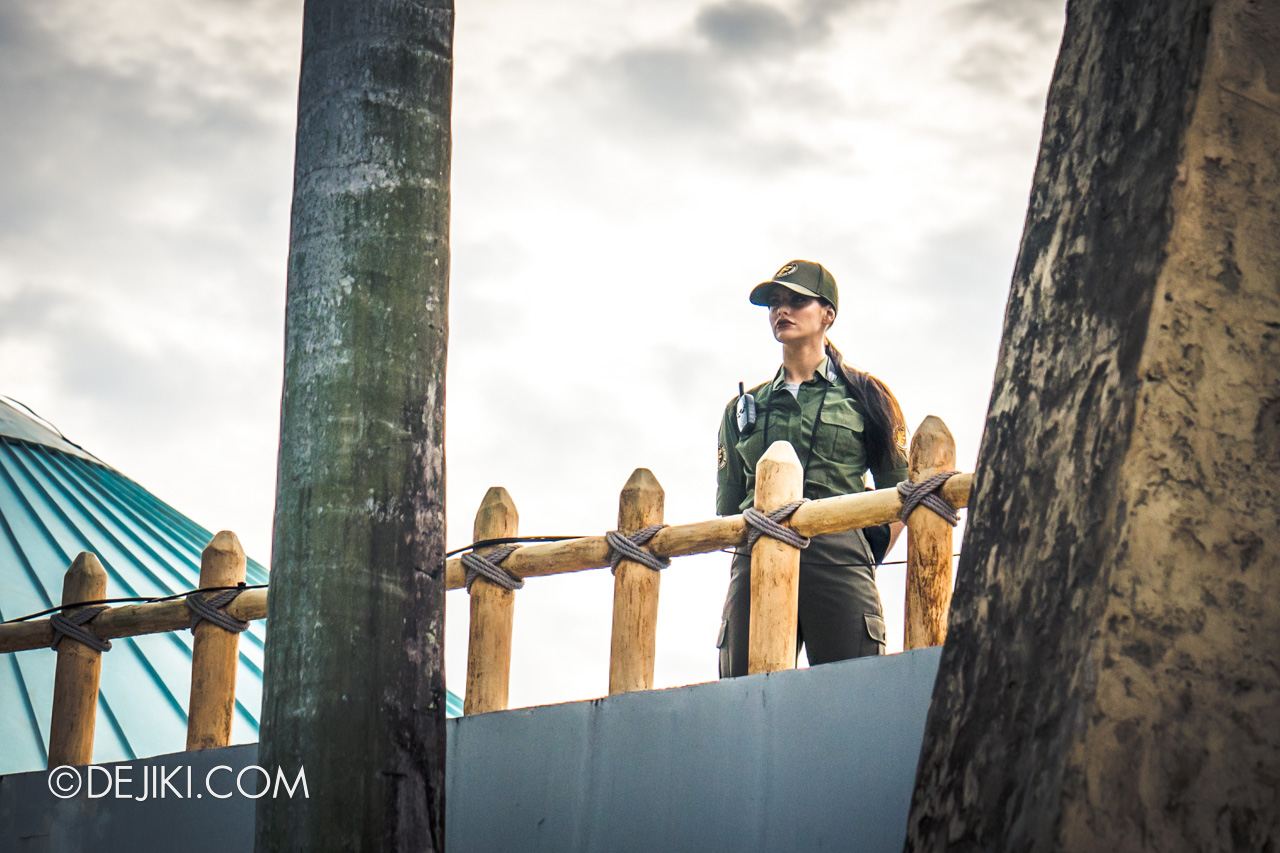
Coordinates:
x,y
488,566
211,610
928,493
629,548
69,625
768,525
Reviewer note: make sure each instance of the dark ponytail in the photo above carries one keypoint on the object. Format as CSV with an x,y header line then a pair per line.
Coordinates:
x,y
886,429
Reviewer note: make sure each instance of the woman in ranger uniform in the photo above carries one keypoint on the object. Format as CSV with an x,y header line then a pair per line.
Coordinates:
x,y
842,422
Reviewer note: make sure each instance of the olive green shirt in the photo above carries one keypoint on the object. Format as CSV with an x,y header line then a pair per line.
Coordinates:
x,y
835,453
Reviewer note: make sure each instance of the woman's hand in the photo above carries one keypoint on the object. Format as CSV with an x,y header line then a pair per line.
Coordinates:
x,y
895,528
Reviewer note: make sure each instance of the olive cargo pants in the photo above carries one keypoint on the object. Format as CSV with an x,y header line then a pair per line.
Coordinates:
x,y
840,614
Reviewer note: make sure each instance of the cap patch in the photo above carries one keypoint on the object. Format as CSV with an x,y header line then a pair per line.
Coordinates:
x,y
787,269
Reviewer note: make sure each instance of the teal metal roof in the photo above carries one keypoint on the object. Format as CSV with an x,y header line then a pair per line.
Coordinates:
x,y
57,500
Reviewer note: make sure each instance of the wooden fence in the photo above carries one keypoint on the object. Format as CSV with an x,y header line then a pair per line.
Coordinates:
x,y
774,587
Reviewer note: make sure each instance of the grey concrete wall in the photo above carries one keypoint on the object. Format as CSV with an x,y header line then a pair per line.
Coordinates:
x,y
819,759
33,820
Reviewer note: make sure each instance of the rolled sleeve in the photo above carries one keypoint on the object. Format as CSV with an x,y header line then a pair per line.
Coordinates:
x,y
888,478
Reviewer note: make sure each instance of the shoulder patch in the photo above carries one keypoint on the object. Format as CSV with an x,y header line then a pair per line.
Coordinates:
x,y
722,458
900,437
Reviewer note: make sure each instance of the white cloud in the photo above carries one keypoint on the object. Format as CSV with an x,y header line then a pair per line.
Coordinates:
x,y
622,173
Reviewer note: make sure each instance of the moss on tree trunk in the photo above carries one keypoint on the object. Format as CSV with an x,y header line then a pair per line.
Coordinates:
x,y
354,668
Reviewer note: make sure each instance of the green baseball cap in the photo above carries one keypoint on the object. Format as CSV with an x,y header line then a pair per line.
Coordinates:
x,y
804,277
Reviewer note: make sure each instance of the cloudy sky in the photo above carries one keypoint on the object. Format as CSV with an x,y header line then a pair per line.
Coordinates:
x,y
623,172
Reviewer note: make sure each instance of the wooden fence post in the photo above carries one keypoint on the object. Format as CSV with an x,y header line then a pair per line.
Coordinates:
x,y
775,567
492,614
929,542
75,681
215,651
635,591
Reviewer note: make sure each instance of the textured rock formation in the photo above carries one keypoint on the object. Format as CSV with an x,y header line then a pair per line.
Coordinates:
x,y
1110,678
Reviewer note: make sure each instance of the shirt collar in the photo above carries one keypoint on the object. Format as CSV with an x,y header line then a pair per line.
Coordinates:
x,y
824,373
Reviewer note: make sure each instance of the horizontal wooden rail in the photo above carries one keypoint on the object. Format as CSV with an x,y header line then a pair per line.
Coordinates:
x,y
829,515
775,568
131,620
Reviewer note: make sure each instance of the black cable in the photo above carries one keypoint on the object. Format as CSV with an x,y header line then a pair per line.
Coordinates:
x,y
903,562
77,604
50,424
240,586
890,563
505,540
509,540
133,600
483,543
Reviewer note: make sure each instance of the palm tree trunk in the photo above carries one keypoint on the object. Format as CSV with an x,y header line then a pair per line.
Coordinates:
x,y
354,674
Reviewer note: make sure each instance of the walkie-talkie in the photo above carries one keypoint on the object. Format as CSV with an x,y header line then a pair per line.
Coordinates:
x,y
746,410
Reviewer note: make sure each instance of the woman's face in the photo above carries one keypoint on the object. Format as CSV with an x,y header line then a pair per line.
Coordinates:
x,y
794,317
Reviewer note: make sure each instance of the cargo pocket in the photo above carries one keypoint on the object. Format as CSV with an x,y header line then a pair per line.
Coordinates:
x,y
724,631
875,629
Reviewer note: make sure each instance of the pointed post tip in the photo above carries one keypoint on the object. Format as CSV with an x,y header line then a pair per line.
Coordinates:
x,y
225,540
933,425
641,501
642,480
933,447
781,453
223,561
497,496
779,477
85,580
87,564
497,515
